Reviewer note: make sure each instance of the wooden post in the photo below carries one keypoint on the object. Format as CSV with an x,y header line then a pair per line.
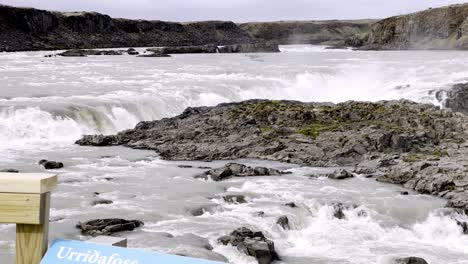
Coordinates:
x,y
25,201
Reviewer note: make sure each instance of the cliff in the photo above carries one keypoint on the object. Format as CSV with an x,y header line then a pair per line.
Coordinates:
x,y
307,32
33,29
438,28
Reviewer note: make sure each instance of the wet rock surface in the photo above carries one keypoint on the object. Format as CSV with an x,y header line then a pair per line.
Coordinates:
x,y
51,165
251,243
85,53
416,145
410,260
107,227
10,170
238,170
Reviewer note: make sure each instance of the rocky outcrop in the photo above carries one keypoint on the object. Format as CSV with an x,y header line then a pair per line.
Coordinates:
x,y
314,134
437,28
33,29
106,227
416,145
307,32
251,243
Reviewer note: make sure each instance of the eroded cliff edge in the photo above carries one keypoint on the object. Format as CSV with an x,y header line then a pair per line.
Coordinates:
x,y
437,28
23,29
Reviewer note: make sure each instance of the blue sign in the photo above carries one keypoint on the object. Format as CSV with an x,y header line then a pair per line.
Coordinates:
x,y
66,251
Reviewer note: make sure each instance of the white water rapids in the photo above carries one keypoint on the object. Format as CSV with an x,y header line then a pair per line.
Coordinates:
x,y
48,103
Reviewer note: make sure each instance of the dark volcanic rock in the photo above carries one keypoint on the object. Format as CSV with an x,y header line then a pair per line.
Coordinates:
x,y
239,170
235,198
419,146
410,260
10,170
107,227
51,165
101,201
283,221
84,53
132,51
340,174
457,98
252,243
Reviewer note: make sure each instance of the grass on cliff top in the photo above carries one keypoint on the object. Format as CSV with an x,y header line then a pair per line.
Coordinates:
x,y
315,129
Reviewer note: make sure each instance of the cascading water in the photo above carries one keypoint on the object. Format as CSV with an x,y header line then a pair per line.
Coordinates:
x,y
48,103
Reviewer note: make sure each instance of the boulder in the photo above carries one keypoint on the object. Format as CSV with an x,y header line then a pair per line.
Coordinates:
x,y
252,244
132,51
107,227
291,204
51,165
457,98
410,260
283,221
185,49
340,174
235,198
239,170
101,201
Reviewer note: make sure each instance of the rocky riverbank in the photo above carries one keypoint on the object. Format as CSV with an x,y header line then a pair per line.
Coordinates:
x,y
419,146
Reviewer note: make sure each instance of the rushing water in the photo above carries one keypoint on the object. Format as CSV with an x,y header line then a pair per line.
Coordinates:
x,y
48,103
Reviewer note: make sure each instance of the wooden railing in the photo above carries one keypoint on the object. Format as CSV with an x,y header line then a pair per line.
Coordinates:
x,y
25,201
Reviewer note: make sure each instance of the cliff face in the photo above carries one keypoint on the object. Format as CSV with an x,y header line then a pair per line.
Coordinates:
x,y
33,29
307,32
439,28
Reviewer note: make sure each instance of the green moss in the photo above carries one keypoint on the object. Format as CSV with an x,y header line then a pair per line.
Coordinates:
x,y
315,129
413,158
440,153
265,129
451,187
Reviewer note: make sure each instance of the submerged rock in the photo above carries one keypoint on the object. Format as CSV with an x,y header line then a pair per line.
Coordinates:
x,y
410,260
10,170
84,53
239,170
107,227
235,198
283,221
340,174
252,243
132,51
50,165
101,201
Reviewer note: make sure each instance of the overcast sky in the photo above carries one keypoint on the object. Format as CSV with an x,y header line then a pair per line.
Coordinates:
x,y
238,10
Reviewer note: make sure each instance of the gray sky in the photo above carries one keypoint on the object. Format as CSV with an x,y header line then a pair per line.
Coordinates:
x,y
238,10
